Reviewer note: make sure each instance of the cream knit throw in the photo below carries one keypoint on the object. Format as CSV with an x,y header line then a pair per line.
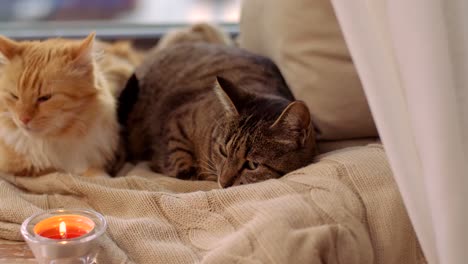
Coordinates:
x,y
343,209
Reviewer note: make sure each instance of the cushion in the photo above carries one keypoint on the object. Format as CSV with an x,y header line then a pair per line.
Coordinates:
x,y
303,37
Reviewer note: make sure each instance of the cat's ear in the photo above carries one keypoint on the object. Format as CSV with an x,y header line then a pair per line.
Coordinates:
x,y
84,51
229,95
295,117
8,48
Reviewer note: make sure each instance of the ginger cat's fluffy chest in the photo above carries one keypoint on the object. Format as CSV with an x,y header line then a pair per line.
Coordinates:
x,y
22,154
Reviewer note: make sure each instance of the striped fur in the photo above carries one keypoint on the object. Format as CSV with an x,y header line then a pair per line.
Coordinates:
x,y
191,125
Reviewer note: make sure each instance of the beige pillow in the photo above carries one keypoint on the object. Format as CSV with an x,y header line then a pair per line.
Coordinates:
x,y
303,37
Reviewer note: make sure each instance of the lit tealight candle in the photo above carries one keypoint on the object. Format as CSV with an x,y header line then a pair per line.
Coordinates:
x,y
64,227
65,235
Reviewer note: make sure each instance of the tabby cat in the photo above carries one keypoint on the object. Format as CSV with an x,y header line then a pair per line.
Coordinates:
x,y
212,112
57,105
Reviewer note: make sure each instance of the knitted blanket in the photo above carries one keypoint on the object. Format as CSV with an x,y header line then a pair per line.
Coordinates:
x,y
345,208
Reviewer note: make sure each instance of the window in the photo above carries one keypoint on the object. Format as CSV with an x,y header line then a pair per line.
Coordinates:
x,y
111,18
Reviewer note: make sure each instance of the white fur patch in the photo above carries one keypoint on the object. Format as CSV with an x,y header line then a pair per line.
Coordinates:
x,y
67,154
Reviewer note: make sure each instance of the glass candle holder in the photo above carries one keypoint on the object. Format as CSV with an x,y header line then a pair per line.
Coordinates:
x,y
64,236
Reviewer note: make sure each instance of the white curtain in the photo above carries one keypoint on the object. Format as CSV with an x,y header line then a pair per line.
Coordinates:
x,y
412,58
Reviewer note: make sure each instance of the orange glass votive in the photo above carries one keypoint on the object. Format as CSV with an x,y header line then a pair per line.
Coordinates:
x,y
64,227
64,236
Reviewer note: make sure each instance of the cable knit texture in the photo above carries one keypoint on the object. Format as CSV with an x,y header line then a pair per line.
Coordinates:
x,y
345,208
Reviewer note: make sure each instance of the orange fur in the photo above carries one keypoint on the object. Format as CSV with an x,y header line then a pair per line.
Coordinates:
x,y
57,106
118,61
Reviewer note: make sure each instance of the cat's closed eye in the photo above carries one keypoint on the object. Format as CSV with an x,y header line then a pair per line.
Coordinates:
x,y
44,98
14,96
251,165
222,150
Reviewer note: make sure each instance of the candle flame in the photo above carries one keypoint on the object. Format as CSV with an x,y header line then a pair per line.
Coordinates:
x,y
63,229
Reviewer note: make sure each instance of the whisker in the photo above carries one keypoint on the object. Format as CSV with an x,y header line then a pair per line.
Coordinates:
x,y
207,174
6,115
208,162
207,167
205,170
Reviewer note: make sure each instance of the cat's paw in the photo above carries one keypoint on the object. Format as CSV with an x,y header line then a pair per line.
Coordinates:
x,y
189,173
94,172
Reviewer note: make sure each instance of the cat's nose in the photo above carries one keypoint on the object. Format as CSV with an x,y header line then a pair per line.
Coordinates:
x,y
25,119
240,181
226,182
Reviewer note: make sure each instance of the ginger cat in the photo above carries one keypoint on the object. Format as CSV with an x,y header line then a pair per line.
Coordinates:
x,y
57,107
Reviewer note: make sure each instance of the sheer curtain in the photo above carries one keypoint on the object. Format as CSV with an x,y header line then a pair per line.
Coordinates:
x,y
412,58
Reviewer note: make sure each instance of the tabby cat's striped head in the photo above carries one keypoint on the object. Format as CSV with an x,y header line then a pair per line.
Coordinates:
x,y
262,138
